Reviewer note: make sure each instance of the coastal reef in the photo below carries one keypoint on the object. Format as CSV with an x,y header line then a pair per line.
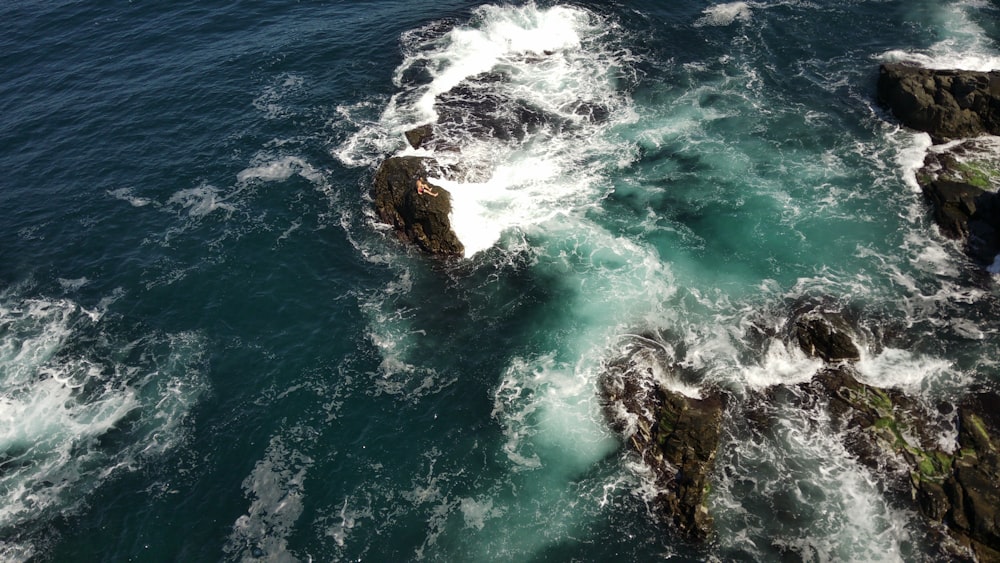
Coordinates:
x,y
954,483
675,435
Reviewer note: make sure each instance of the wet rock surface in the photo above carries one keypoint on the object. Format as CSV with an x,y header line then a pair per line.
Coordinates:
x,y
421,219
676,436
956,487
958,179
947,104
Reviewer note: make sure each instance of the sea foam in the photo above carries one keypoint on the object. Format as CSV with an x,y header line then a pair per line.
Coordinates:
x,y
64,385
547,77
725,14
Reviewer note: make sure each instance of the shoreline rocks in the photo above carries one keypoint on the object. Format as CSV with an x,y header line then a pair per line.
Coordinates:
x,y
953,482
948,104
960,182
886,430
959,179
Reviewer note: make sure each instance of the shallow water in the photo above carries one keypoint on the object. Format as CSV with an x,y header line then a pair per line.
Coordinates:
x,y
211,350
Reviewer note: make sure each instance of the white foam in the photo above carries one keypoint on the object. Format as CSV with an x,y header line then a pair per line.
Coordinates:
x,y
910,158
555,61
270,100
549,415
725,14
502,33
276,489
201,201
528,192
74,284
58,398
945,57
904,369
279,170
783,364
800,490
349,518
126,194
477,512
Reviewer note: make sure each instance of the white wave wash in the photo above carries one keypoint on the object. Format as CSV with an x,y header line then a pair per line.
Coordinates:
x,y
279,170
556,62
725,14
56,405
542,185
276,489
965,46
800,488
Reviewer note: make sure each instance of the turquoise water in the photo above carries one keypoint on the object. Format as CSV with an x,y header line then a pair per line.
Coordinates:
x,y
210,349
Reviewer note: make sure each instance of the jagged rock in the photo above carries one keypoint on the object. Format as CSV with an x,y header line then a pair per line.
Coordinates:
x,y
419,136
960,490
945,103
478,107
954,205
951,104
894,435
418,218
974,486
825,335
676,436
959,184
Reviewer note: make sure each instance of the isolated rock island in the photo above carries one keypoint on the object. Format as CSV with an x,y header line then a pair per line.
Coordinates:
x,y
419,217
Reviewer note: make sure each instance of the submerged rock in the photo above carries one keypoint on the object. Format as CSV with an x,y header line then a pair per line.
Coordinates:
x,y
420,136
421,219
676,436
945,103
825,335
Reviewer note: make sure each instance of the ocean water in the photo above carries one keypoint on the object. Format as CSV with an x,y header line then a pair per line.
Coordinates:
x,y
210,350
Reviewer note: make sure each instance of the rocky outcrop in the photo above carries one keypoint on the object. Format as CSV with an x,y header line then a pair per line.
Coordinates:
x,y
676,436
972,489
959,487
420,136
945,103
960,184
958,179
823,334
421,219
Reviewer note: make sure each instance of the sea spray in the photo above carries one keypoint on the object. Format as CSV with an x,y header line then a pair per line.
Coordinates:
x,y
80,406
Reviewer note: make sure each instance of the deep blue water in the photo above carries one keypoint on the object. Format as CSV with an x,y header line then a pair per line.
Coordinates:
x,y
210,350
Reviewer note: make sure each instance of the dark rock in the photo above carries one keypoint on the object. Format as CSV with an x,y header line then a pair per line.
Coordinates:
x,y
945,103
963,206
887,430
676,436
974,486
954,205
419,219
825,335
479,107
419,136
